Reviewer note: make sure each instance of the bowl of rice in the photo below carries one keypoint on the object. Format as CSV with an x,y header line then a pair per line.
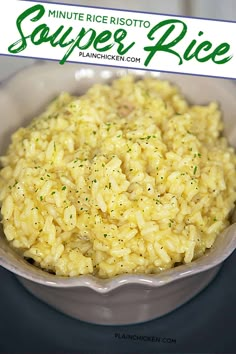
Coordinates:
x,y
117,187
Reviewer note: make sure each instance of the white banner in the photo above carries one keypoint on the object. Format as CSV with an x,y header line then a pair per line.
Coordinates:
x,y
73,33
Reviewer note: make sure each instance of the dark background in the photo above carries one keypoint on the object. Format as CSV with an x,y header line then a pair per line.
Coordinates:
x,y
206,324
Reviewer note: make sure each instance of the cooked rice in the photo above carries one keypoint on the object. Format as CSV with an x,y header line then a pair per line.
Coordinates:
x,y
128,178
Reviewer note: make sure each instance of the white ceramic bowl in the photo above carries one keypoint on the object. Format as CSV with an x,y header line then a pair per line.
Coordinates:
x,y
128,298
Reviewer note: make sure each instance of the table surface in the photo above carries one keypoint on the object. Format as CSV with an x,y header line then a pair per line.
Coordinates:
x,y
206,324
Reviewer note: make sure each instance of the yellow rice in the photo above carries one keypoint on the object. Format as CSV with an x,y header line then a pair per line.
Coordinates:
x,y
128,178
